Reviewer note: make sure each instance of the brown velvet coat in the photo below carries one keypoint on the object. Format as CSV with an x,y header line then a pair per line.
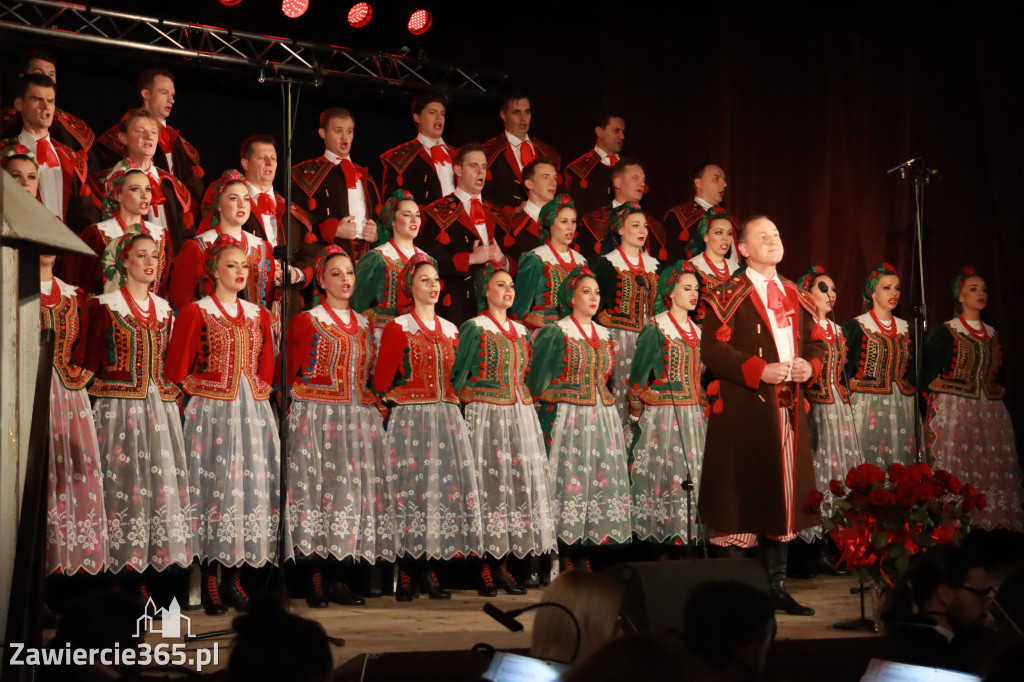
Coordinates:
x,y
741,487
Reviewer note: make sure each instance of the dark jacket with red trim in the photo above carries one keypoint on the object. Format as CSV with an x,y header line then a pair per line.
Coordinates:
x,y
448,236
504,186
408,166
524,231
80,203
742,479
305,247
592,238
322,188
187,166
589,182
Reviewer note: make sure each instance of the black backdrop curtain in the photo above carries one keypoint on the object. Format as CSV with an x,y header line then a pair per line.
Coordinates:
x,y
804,105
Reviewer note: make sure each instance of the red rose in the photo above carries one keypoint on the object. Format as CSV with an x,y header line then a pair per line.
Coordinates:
x,y
968,490
920,471
906,495
948,481
925,491
855,498
898,473
880,497
872,473
981,501
836,488
813,505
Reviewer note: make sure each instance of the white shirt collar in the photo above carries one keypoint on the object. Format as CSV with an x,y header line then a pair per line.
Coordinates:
x,y
600,152
427,143
533,210
515,141
28,140
255,191
332,157
465,197
616,203
703,204
760,281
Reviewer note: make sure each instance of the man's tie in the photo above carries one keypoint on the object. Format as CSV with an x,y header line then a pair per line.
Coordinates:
x,y
158,195
777,304
168,136
351,174
476,212
612,160
45,154
439,155
266,205
526,154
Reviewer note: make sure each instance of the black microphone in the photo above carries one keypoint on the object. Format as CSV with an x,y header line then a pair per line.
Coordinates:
x,y
506,619
822,287
906,164
281,251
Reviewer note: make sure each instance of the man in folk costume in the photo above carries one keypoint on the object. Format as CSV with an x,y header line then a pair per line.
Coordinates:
x,y
69,130
629,183
709,191
64,186
588,179
758,476
341,196
172,205
176,155
267,216
422,165
540,178
462,233
511,152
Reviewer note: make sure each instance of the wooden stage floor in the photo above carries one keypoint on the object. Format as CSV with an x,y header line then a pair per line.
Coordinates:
x,y
384,625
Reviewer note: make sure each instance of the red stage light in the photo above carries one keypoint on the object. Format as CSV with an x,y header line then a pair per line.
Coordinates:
x,y
230,3
360,14
294,8
419,22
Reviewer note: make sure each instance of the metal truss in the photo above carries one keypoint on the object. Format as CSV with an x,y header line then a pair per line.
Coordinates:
x,y
268,56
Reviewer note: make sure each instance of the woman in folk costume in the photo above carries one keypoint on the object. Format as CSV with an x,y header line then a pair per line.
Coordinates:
x,y
377,292
221,353
968,429
341,505
628,278
880,368
126,203
714,254
226,207
490,376
138,426
436,476
666,398
587,470
542,270
76,525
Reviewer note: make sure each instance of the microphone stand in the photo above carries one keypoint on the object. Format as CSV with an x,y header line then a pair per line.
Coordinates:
x,y
922,177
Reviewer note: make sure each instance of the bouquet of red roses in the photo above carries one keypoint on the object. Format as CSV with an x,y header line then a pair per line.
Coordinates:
x,y
879,520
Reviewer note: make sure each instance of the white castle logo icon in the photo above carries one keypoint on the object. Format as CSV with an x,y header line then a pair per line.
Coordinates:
x,y
170,621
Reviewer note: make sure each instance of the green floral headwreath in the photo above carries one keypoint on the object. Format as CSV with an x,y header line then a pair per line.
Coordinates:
x,y
549,212
813,273
210,206
409,270
480,281
669,278
565,292
386,219
114,260
872,282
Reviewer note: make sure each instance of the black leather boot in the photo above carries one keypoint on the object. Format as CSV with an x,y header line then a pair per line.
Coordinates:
x,y
315,596
407,581
212,602
487,586
773,555
234,595
504,579
432,586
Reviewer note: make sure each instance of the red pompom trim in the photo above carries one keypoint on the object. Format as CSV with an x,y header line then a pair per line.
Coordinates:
x,y
189,220
310,238
509,241
198,171
717,409
312,204
714,388
583,184
446,301
663,254
443,238
817,334
724,333
400,180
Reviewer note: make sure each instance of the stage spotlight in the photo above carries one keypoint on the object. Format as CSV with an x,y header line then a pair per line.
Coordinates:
x,y
360,14
294,8
419,22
